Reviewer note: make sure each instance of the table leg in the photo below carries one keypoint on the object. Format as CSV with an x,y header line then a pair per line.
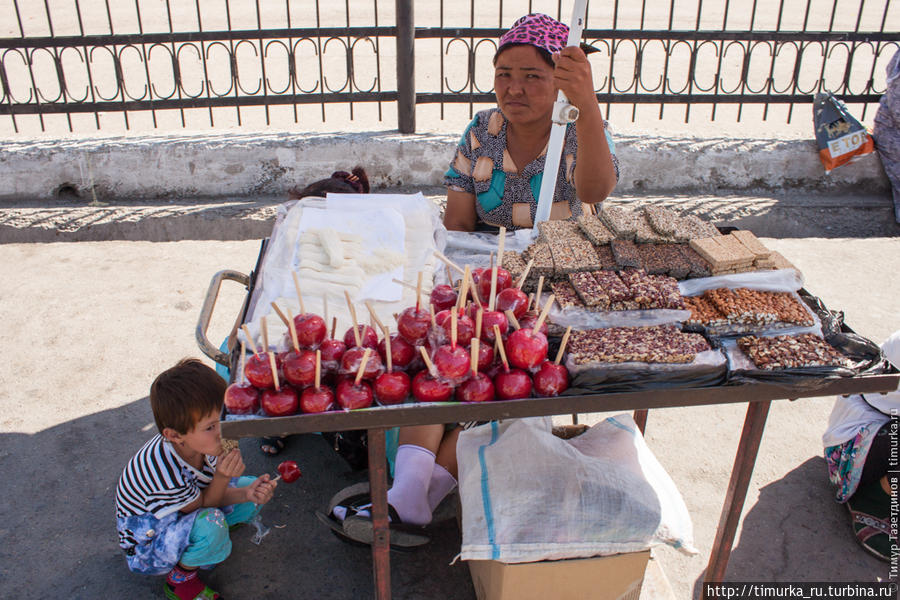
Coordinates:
x,y
381,561
640,419
745,458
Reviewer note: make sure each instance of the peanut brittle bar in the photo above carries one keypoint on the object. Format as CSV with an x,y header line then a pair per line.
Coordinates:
x,y
626,254
565,295
791,352
605,258
677,265
655,344
652,258
589,290
594,229
700,267
613,285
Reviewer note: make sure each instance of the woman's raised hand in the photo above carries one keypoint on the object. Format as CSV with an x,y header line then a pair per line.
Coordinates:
x,y
573,77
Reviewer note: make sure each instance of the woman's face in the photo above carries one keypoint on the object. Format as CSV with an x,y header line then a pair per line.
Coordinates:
x,y
523,83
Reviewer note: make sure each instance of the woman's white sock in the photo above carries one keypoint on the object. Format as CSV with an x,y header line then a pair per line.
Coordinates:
x,y
442,483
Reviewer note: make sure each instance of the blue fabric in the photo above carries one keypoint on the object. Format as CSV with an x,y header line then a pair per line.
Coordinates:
x,y
391,442
535,184
222,370
492,197
486,492
209,541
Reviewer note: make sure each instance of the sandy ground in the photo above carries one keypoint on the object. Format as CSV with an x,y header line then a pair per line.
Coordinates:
x,y
88,326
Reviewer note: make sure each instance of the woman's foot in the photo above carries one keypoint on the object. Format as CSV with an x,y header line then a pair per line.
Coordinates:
x,y
870,509
271,445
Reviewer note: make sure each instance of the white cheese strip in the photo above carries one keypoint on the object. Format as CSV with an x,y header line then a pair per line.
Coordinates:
x,y
333,247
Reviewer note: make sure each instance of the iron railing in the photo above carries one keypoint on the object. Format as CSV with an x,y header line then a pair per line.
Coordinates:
x,y
246,55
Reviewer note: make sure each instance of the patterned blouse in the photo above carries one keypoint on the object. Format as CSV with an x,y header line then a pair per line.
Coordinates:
x,y
506,195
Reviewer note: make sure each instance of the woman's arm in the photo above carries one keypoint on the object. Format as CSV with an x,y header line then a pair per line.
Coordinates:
x,y
460,213
595,175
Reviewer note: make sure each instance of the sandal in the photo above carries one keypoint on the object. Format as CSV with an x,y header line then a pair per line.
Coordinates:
x,y
360,528
869,514
271,445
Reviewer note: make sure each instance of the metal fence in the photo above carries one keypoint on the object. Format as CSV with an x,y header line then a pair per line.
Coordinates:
x,y
218,58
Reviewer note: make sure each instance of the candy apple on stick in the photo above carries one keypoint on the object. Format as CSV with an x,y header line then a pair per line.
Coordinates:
x,y
317,398
413,323
527,348
391,387
478,387
359,335
451,360
426,387
258,369
299,366
443,297
510,384
311,328
552,378
281,401
355,393
513,298
332,349
289,471
241,398
485,352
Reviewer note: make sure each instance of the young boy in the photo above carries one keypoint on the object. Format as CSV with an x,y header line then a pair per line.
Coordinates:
x,y
177,497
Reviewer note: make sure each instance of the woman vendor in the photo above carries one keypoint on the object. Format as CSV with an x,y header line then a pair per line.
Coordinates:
x,y
495,176
494,180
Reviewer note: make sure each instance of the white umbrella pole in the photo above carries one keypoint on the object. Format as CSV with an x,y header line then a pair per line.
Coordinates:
x,y
563,113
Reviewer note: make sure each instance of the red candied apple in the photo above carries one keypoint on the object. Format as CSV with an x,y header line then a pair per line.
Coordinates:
x,y
351,396
299,368
528,321
392,388
426,388
551,379
402,352
442,317
279,403
353,358
525,349
289,471
311,330
514,299
504,280
241,399
367,336
258,371
316,399
332,351
488,320
414,324
465,329
485,357
512,384
478,388
451,362
443,297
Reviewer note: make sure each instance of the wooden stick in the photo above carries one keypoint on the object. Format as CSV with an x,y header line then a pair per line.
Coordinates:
x,y
500,347
433,317
501,243
463,288
293,329
403,283
333,326
419,292
387,349
449,275
524,274
318,368
474,350
374,317
280,314
474,289
544,312
428,364
243,360
537,294
479,316
562,345
274,370
362,366
530,300
299,295
250,341
453,322
493,297
325,308
265,333
447,261
512,319
353,317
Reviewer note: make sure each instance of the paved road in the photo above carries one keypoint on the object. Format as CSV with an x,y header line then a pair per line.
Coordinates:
x,y
88,325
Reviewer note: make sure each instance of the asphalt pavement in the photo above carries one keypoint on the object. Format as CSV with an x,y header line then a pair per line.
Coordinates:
x,y
88,325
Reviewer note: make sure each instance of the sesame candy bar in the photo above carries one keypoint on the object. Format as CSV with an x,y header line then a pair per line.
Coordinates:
x,y
652,259
751,243
605,258
742,257
645,234
594,229
622,222
626,254
663,220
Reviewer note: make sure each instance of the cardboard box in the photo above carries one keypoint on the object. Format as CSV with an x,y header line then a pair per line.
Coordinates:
x,y
617,577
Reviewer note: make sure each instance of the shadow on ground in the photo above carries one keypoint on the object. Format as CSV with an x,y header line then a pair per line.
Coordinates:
x,y
59,536
783,535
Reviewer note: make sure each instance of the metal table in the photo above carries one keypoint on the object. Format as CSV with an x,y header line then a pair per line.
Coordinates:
x,y
758,397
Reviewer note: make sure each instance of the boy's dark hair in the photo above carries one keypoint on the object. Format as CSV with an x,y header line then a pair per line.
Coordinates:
x,y
182,395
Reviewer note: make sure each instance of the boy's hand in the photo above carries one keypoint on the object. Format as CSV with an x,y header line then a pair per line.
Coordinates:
x,y
231,465
261,490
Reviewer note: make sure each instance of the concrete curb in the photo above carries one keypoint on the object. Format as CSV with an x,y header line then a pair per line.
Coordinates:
x,y
249,164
